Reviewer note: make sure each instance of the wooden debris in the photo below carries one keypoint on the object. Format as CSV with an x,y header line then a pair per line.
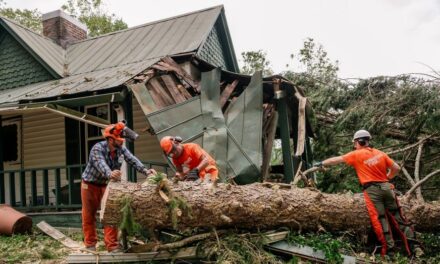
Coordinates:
x,y
227,93
164,253
54,233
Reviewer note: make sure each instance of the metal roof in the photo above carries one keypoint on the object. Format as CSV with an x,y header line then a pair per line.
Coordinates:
x,y
181,34
108,60
45,49
92,81
175,35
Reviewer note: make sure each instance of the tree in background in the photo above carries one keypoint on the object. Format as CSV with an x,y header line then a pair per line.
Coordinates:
x,y
26,17
255,61
402,113
91,13
88,12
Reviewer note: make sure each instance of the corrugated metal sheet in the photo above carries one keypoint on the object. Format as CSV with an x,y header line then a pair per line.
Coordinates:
x,y
237,149
45,48
175,35
92,81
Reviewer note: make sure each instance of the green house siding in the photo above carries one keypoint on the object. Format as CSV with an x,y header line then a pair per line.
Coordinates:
x,y
17,66
212,51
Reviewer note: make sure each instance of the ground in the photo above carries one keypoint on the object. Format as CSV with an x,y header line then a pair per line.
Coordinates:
x,y
40,248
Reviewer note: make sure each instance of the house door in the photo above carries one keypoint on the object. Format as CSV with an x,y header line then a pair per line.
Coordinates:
x,y
12,150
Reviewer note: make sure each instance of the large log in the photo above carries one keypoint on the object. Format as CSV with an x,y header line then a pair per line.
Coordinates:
x,y
253,206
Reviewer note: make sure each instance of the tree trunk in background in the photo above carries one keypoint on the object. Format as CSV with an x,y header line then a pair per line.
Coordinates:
x,y
254,206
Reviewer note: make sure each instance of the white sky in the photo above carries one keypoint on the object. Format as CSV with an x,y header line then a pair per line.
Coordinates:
x,y
369,37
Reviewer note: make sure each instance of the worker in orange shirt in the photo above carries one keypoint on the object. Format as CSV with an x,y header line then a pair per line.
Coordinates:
x,y
374,170
191,161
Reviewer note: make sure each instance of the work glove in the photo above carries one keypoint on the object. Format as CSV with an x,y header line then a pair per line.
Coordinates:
x,y
318,164
192,175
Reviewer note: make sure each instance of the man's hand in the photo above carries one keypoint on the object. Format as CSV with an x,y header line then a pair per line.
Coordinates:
x,y
180,176
318,164
150,172
116,175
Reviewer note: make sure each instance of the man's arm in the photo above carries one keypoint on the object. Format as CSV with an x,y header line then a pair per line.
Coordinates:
x,y
333,161
135,162
203,163
395,168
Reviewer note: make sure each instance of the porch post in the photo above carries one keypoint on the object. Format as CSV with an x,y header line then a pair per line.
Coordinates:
x,y
128,110
2,174
283,122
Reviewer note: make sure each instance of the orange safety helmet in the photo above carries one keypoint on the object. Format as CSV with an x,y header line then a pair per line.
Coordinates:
x,y
114,131
166,143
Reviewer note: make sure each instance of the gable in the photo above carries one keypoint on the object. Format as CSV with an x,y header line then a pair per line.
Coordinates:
x,y
217,48
213,51
17,66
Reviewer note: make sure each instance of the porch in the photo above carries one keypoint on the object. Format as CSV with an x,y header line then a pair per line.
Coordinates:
x,y
52,188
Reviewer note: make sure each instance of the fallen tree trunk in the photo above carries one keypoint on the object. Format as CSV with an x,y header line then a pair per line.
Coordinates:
x,y
252,206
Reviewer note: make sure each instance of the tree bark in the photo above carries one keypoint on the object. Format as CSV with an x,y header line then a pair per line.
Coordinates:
x,y
254,206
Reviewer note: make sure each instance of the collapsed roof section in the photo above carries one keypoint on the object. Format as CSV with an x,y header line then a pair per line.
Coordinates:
x,y
234,117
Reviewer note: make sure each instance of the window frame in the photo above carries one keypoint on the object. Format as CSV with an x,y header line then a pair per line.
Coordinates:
x,y
19,122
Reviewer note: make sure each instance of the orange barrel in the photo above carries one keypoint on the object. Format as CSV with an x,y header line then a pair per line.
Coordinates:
x,y
13,222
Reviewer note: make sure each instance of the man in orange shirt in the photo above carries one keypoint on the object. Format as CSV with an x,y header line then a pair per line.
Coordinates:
x,y
374,169
191,161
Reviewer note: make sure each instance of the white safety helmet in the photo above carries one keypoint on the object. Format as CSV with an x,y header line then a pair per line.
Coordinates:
x,y
361,134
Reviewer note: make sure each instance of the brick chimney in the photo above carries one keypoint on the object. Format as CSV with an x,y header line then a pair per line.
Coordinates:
x,y
63,28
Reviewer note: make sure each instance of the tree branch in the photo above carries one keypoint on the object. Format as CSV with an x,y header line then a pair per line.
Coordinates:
x,y
408,193
417,171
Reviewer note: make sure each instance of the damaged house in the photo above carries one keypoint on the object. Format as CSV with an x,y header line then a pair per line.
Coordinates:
x,y
176,76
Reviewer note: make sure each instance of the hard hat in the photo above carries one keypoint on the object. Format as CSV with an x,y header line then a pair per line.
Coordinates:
x,y
166,143
361,134
114,131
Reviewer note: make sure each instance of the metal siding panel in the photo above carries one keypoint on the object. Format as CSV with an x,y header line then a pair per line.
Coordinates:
x,y
245,119
34,129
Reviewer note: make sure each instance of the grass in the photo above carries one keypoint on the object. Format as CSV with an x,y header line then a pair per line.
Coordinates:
x,y
34,247
37,247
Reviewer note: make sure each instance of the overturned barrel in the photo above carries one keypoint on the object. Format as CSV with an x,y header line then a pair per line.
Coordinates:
x,y
13,221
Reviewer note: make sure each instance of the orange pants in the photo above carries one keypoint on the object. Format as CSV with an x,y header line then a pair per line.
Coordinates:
x,y
91,196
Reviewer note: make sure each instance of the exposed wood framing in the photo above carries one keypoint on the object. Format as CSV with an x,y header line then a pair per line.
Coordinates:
x,y
168,64
164,94
227,92
171,84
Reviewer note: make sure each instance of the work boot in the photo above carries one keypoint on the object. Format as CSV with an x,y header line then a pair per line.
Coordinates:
x,y
116,250
91,248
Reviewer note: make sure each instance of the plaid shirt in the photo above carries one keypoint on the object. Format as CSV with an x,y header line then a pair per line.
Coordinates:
x,y
101,163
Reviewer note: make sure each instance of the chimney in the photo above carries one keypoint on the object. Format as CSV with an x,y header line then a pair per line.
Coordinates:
x,y
63,28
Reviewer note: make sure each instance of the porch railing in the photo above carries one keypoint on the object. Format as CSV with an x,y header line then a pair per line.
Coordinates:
x,y
51,188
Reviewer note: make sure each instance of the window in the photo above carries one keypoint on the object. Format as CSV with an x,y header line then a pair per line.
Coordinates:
x,y
11,140
93,133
